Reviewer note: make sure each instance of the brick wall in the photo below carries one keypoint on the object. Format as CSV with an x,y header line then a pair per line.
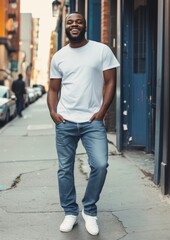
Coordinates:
x,y
104,21
110,119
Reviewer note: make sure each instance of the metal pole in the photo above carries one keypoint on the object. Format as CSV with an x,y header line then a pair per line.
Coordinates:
x,y
165,185
158,128
118,84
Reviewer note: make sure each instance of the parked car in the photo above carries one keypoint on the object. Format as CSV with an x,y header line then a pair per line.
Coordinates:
x,y
7,104
31,95
26,98
38,91
40,86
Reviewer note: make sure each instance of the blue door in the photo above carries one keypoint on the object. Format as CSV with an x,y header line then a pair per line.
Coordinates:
x,y
138,73
94,20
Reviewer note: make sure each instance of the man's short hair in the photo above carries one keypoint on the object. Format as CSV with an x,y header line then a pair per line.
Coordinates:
x,y
75,12
20,76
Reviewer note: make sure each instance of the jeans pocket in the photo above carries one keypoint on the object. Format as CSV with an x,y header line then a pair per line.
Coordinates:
x,y
59,123
98,122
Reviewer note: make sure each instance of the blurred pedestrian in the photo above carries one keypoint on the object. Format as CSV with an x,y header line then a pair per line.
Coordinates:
x,y
82,86
18,87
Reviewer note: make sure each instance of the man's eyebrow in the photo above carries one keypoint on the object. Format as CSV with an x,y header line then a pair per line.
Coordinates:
x,y
78,19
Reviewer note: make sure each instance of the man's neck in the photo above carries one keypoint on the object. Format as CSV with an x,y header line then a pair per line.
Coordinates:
x,y
78,44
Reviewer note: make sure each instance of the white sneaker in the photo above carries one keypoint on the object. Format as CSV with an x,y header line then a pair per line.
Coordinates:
x,y
91,224
68,223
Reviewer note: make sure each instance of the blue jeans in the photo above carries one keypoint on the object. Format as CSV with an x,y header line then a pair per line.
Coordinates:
x,y
94,139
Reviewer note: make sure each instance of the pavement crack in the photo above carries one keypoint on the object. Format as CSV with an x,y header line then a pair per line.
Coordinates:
x,y
34,212
122,236
122,226
84,168
17,180
28,160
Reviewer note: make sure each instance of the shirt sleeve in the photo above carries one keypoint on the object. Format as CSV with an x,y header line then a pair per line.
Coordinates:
x,y
54,69
109,59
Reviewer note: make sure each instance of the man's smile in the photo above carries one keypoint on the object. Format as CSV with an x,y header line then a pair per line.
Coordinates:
x,y
74,31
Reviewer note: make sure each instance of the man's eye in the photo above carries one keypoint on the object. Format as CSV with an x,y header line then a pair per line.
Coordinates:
x,y
76,22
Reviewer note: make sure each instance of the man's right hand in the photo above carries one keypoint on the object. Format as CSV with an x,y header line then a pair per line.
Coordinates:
x,y
57,118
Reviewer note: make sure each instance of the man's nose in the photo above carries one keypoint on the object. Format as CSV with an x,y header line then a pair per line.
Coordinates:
x,y
74,23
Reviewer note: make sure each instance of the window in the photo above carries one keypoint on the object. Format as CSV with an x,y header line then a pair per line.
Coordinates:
x,y
139,36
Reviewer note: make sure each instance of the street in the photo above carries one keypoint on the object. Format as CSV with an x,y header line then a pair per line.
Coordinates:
x,y
131,206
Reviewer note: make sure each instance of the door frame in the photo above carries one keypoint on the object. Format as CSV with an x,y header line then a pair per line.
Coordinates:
x,y
121,17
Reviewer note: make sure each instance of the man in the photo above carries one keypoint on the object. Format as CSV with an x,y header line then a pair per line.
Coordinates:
x,y
82,86
18,87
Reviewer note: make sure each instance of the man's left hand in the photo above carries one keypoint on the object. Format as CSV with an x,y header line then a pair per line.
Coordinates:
x,y
97,116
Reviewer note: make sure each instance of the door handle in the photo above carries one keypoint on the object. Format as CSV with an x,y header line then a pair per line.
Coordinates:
x,y
125,48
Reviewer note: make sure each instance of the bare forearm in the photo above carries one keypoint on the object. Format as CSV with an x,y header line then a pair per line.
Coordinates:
x,y
108,95
52,101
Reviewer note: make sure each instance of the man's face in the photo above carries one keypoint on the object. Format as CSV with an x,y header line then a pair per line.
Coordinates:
x,y
75,27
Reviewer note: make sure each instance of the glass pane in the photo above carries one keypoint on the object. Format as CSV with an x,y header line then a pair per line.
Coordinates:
x,y
139,36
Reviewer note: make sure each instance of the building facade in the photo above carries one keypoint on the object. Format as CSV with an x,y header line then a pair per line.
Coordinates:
x,y
26,46
9,39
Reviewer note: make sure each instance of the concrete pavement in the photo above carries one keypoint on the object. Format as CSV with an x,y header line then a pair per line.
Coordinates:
x,y
131,206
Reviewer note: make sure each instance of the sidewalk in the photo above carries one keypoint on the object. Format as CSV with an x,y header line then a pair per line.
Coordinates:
x,y
131,206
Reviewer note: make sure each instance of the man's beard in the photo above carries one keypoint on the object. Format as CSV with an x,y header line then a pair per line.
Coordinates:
x,y
76,39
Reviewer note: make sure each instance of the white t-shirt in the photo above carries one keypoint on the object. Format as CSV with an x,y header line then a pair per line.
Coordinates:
x,y
81,70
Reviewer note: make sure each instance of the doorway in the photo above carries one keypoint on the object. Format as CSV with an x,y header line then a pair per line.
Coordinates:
x,y
139,40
